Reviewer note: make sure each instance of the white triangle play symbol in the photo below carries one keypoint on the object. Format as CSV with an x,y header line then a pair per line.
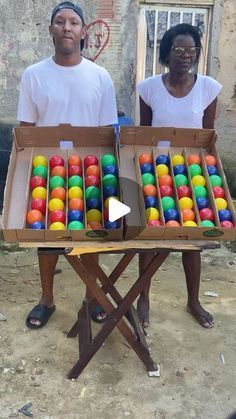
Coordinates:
x,y
116,209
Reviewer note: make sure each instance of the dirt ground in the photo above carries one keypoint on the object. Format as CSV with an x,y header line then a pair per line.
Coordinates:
x,y
198,366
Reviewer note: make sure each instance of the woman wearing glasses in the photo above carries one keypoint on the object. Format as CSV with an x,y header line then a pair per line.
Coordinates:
x,y
183,99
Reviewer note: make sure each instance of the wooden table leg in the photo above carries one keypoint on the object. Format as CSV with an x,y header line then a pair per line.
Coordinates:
x,y
116,314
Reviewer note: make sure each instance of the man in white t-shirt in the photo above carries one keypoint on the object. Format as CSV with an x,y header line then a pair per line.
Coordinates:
x,y
65,88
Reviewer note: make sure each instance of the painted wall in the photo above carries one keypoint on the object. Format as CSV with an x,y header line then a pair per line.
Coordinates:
x,y
111,42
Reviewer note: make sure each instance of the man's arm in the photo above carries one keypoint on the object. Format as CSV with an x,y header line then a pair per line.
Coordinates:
x,y
209,115
145,113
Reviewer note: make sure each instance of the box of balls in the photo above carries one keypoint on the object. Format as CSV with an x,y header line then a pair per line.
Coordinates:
x,y
181,190
59,183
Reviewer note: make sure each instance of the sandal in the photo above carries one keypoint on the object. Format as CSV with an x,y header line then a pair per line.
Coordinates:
x,y
205,320
99,315
40,312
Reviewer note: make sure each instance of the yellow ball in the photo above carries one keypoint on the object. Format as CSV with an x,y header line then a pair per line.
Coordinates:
x,y
185,202
75,192
107,200
220,203
39,161
57,226
177,159
39,192
189,223
198,180
162,169
94,215
55,204
152,214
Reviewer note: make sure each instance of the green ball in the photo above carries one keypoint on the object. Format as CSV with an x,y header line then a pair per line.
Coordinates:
x,y
75,180
108,159
75,225
181,180
167,203
215,180
148,179
92,192
195,170
207,223
200,191
56,181
40,171
109,180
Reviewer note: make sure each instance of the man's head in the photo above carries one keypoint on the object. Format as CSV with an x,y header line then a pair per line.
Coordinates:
x,y
58,12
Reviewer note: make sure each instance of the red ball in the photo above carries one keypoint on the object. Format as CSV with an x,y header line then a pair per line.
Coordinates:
x,y
75,170
218,192
57,215
183,191
105,214
90,160
56,161
36,181
166,190
39,204
154,223
226,224
92,181
206,214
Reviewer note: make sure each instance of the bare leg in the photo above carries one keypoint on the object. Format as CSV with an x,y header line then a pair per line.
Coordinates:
x,y
192,268
47,265
143,304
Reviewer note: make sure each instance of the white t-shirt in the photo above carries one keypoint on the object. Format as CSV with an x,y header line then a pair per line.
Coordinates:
x,y
184,112
82,95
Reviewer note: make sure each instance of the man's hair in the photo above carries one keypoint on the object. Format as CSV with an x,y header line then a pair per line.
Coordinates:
x,y
169,36
72,6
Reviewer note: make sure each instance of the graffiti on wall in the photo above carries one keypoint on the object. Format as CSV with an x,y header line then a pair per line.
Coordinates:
x,y
97,39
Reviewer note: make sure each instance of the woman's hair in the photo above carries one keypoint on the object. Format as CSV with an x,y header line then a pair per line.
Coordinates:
x,y
169,36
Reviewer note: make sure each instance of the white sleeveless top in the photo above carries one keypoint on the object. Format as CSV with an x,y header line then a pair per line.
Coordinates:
x,y
184,112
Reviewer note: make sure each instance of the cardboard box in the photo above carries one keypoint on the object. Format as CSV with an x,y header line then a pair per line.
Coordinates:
x,y
137,140
63,140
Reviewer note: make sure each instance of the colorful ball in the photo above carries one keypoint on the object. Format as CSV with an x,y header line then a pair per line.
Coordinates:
x,y
195,170
110,169
109,191
226,224
33,216
154,223
212,170
218,192
181,180
94,215
167,203
171,214
106,203
162,169
110,180
152,214
75,215
206,214
210,160
194,159
163,159
165,180
188,214
90,160
39,192
59,192
56,181
225,215
40,171
190,224
39,161
150,201
145,158
166,190
220,203
94,225
93,171
92,181
75,225
183,190
202,202
38,225
108,159
36,181
177,159
94,203
57,216
74,160
57,226
75,192
75,180
198,180
56,161
76,203
179,169
146,168
185,202
111,225
207,223
55,204
38,204
215,180
75,171
200,191
92,192
172,223
147,179
58,171
150,190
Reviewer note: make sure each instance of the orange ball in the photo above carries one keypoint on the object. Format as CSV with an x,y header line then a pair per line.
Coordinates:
x,y
58,171
165,180
210,160
194,159
93,170
94,225
150,190
188,214
145,158
33,216
74,160
76,203
172,223
59,192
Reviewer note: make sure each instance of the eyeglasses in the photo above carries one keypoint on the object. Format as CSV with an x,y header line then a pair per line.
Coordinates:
x,y
181,51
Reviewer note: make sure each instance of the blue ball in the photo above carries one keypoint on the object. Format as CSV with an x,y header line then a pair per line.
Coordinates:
x,y
212,170
75,215
109,190
110,169
111,224
163,159
146,168
171,214
179,169
150,201
38,225
225,215
202,203
94,203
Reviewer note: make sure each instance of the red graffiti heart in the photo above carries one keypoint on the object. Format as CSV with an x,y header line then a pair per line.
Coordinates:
x,y
97,38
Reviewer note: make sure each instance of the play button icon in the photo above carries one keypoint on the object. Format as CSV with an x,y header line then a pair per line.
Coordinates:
x,y
116,209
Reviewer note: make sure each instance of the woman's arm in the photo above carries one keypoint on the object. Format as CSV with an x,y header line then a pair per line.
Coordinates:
x,y
209,115
145,113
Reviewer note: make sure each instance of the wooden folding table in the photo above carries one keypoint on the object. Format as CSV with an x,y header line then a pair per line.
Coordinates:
x,y
120,309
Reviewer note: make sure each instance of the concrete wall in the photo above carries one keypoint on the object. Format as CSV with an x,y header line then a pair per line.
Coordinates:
x,y
112,43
